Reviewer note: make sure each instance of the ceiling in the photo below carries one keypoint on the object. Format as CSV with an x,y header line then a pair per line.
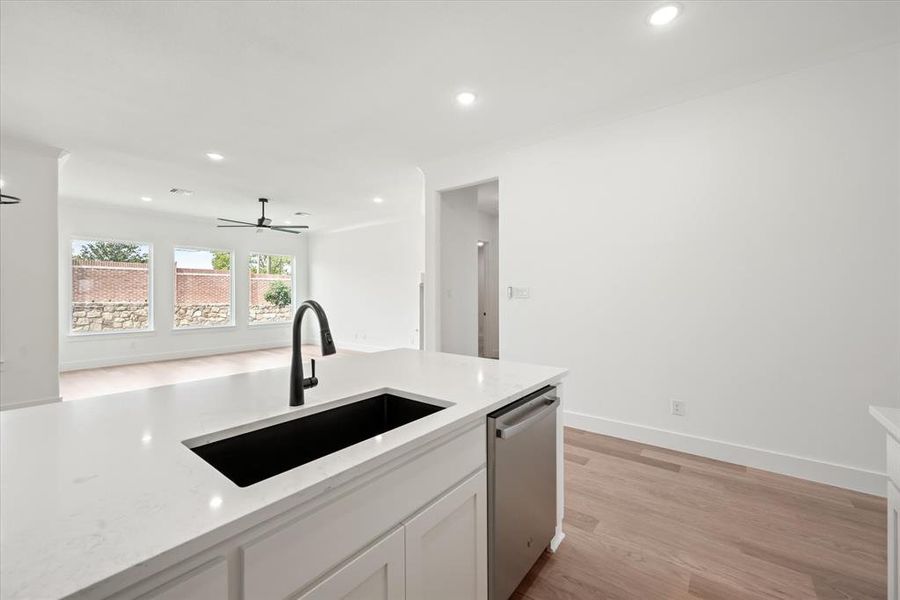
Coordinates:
x,y
323,105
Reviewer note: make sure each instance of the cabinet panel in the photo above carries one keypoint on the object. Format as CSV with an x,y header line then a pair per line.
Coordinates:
x,y
376,574
208,582
893,542
446,545
292,556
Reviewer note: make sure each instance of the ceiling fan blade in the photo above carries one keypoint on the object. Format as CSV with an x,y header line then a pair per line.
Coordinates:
x,y
235,225
293,226
233,221
283,229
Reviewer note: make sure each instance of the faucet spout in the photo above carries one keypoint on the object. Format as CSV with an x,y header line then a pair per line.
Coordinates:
x,y
298,382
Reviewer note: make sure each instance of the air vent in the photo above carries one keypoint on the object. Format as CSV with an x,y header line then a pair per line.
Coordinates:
x,y
180,192
300,213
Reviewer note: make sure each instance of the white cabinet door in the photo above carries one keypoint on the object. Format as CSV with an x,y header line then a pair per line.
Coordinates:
x,y
893,542
208,582
446,545
376,574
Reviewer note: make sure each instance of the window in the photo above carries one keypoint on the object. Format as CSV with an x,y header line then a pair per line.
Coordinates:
x,y
202,288
110,287
271,288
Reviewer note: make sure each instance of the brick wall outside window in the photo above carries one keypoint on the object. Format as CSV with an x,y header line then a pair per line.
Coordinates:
x,y
114,296
108,281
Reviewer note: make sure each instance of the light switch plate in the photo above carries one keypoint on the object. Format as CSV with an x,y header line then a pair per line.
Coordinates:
x,y
518,293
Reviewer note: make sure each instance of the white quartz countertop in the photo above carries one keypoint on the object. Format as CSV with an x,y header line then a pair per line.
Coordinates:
x,y
889,419
91,488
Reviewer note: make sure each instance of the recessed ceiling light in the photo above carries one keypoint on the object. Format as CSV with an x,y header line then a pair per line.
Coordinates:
x,y
214,156
664,15
2,183
480,244
146,198
377,199
466,98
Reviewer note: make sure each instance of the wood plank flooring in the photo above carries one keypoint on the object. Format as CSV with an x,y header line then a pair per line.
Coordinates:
x,y
646,523
110,380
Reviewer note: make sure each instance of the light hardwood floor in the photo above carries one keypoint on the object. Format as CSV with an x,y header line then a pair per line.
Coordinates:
x,y
110,380
645,523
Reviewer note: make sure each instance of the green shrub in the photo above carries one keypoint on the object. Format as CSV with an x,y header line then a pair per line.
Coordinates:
x,y
279,294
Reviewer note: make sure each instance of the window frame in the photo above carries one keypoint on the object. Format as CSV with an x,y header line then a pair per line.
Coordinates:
x,y
293,289
231,300
151,321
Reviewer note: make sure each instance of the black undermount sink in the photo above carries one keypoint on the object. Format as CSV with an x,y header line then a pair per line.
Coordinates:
x,y
251,457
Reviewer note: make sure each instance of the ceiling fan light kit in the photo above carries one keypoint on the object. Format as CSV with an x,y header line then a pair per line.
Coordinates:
x,y
262,223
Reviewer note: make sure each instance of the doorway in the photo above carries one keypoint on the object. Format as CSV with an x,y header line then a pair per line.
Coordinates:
x,y
469,270
488,301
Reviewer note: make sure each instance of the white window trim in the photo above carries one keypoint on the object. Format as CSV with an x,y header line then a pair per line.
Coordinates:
x,y
293,290
231,307
151,325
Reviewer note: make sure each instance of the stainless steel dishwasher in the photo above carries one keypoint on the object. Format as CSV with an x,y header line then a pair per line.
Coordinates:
x,y
521,488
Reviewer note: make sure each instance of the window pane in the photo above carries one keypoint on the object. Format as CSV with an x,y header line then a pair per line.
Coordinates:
x,y
271,288
202,287
110,286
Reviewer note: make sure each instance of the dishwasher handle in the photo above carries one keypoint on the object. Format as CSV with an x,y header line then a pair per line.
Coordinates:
x,y
507,431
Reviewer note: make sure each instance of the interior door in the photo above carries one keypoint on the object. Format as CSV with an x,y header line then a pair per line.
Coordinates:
x,y
482,297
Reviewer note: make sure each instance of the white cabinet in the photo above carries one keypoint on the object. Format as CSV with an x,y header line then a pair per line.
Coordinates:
x,y
893,518
432,503
446,545
208,582
294,553
893,542
376,574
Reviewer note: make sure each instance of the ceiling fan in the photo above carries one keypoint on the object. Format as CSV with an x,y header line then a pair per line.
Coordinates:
x,y
263,222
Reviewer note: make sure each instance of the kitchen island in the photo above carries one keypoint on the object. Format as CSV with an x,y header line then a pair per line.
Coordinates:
x,y
105,497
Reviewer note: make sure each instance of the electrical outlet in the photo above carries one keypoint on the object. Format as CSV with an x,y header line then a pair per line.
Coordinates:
x,y
678,408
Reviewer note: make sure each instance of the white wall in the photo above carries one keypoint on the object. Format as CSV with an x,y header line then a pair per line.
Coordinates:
x,y
739,252
459,271
84,220
28,289
367,280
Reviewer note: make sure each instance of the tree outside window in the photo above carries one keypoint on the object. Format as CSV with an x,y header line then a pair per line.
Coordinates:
x,y
110,287
271,288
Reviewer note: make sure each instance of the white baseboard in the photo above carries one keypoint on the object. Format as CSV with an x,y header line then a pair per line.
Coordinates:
x,y
860,480
130,359
27,403
556,541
